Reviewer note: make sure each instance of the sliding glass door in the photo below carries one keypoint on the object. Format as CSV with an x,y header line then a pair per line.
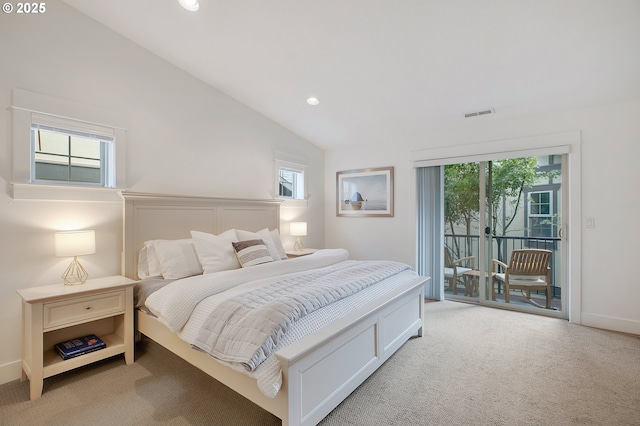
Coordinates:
x,y
502,226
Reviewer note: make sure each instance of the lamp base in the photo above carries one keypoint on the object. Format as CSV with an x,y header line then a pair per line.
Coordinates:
x,y
298,246
75,274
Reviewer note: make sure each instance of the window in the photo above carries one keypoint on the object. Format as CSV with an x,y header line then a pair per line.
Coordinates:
x,y
65,156
540,204
64,150
290,180
541,214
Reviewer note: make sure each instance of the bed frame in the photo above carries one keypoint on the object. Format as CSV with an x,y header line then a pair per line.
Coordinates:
x,y
320,370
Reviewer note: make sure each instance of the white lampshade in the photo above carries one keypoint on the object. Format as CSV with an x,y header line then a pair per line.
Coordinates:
x,y
298,229
75,243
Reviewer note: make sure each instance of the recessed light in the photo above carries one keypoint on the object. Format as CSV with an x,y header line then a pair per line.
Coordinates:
x,y
313,101
190,5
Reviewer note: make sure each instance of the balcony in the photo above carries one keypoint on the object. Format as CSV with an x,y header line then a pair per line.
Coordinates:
x,y
468,245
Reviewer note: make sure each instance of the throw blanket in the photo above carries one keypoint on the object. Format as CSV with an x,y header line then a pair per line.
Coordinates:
x,y
246,328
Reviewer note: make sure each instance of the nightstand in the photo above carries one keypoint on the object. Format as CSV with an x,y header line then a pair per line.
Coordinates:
x,y
57,313
303,252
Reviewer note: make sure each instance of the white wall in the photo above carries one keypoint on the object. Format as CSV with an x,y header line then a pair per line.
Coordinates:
x,y
184,137
609,181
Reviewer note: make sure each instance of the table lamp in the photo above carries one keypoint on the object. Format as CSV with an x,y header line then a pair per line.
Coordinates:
x,y
298,229
74,244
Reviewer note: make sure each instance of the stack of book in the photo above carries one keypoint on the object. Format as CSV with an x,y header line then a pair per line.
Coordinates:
x,y
79,346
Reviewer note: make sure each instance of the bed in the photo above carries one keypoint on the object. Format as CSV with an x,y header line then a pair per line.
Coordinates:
x,y
319,370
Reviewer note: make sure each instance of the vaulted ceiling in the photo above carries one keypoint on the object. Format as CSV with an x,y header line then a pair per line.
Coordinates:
x,y
390,69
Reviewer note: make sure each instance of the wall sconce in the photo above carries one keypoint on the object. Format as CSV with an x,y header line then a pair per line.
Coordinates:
x,y
298,229
74,244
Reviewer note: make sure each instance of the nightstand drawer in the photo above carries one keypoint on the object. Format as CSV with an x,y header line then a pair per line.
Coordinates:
x,y
69,311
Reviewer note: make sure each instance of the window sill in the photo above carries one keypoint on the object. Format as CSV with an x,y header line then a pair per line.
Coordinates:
x,y
34,191
288,202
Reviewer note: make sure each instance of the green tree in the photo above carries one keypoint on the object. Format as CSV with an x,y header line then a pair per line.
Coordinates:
x,y
509,179
461,199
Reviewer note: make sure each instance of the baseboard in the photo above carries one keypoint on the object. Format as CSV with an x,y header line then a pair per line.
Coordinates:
x,y
10,372
611,323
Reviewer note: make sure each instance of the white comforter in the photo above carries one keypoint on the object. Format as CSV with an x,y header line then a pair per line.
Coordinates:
x,y
174,303
185,305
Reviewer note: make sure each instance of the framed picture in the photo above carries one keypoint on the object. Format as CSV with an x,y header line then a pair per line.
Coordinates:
x,y
365,192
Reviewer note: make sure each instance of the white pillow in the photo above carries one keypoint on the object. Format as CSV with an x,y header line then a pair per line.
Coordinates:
x,y
251,252
148,264
143,263
178,258
263,235
275,236
215,252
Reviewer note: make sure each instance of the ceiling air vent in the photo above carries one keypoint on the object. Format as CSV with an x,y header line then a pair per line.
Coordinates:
x,y
477,113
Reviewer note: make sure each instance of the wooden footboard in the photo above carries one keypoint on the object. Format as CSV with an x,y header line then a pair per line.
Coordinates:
x,y
322,369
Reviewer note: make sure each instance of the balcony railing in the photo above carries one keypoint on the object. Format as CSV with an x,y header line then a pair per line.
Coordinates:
x,y
468,245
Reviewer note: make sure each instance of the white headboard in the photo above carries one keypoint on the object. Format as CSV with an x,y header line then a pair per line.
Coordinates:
x,y
154,216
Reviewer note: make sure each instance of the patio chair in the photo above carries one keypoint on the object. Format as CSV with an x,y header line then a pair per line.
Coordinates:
x,y
528,270
453,270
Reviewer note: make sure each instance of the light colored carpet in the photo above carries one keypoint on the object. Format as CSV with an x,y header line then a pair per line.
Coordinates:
x,y
473,366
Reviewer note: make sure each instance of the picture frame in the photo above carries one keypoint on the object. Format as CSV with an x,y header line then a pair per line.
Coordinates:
x,y
365,192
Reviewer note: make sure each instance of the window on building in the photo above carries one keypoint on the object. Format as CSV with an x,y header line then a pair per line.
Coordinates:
x,y
71,157
541,214
291,180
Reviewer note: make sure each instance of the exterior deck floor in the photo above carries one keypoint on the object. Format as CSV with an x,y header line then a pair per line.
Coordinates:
x,y
516,298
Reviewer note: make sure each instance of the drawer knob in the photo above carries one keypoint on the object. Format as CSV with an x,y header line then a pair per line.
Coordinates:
x,y
88,308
